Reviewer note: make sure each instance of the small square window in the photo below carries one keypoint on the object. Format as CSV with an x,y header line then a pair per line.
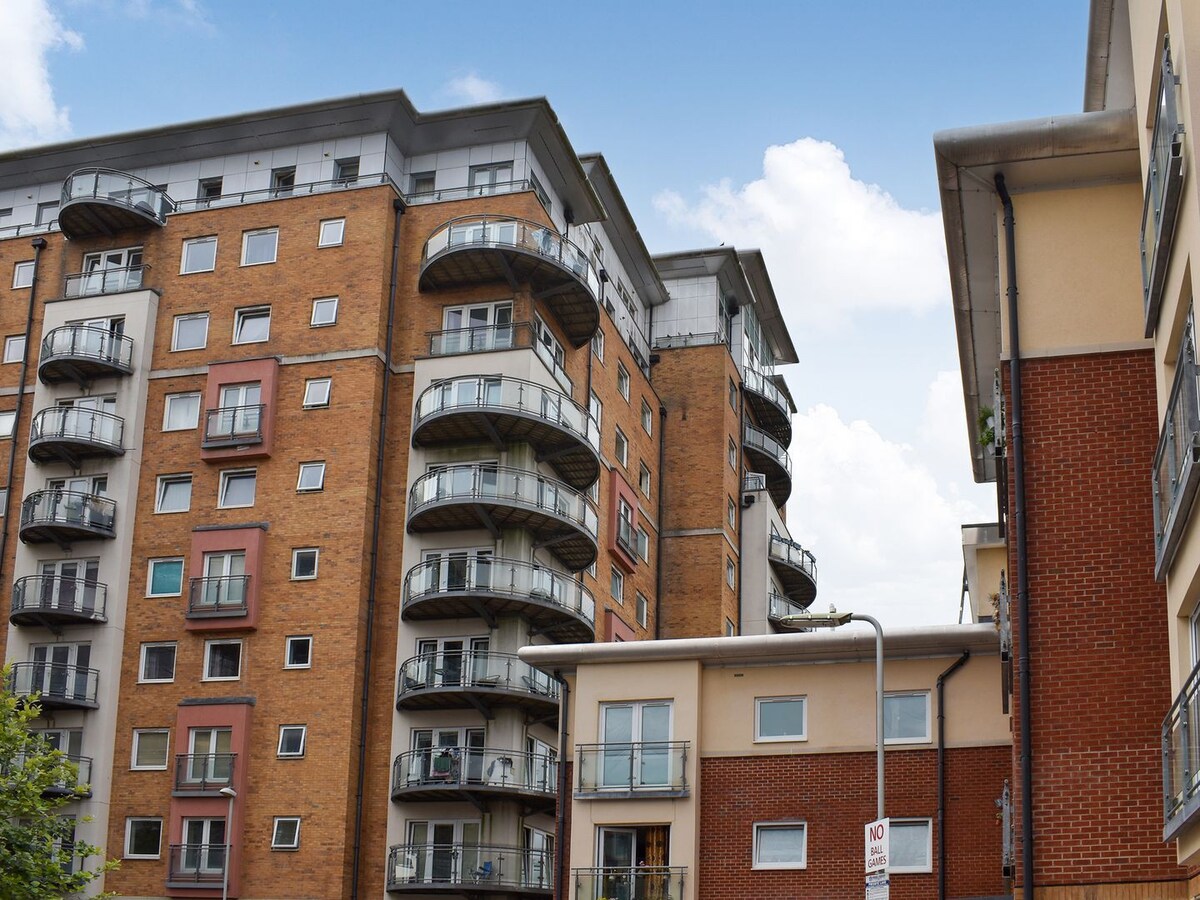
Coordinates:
x,y
291,740
312,477
191,332
181,412
324,311
14,348
616,585
237,488
422,182
622,447
252,325
258,247
283,180
157,663
47,213
208,189
8,421
644,480
222,661
143,838
199,255
150,748
297,652
345,171
316,392
647,418
286,833
780,845
732,451
598,345
304,563
911,845
331,233
623,380
730,572
174,494
780,719
165,577
643,609
906,717
23,274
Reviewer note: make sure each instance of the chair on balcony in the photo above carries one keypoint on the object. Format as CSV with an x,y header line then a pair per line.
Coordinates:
x,y
483,872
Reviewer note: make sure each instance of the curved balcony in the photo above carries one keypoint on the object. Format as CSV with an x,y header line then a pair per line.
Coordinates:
x,y
59,517
56,685
477,775
470,869
795,568
771,458
779,606
771,406
80,786
477,250
98,201
463,497
488,587
71,433
500,411
53,601
80,353
474,679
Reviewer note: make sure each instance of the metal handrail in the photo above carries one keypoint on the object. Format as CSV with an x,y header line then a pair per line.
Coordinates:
x,y
489,767
204,772
659,882
779,606
792,554
88,342
198,863
218,595
473,670
104,281
675,341
638,766
61,681
239,424
95,182
499,575
470,864
1178,447
755,437
237,198
444,195
59,593
1164,178
480,339
754,481
761,384
77,508
74,423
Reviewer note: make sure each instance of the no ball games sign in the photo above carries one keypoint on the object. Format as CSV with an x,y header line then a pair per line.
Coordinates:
x,y
877,844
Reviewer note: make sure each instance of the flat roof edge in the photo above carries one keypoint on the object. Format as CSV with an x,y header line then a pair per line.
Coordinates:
x,y
1074,134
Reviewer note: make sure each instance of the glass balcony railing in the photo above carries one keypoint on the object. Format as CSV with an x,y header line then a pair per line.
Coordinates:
x,y
223,595
759,440
57,685
779,606
80,784
479,190
488,338
465,670
77,428
792,554
1181,758
196,864
58,598
63,515
97,201
203,773
234,425
645,767
1176,476
471,866
104,281
479,768
629,883
75,344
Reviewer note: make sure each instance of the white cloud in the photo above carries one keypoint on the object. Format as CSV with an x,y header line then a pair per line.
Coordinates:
x,y
29,114
835,245
470,88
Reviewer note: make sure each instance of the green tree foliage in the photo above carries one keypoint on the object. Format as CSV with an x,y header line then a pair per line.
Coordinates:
x,y
36,856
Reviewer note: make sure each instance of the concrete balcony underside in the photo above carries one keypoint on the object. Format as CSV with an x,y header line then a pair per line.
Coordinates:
x,y
106,202
769,405
65,434
53,601
795,568
573,545
543,614
770,458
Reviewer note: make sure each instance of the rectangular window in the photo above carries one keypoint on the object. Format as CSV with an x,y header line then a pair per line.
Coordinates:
x,y
732,393
911,841
598,345
237,488
158,663
780,719
23,274
46,213
623,380
199,255
259,247
643,543
730,572
644,480
209,189
14,348
731,512
422,182
150,748
174,494
345,171
332,232
312,477
165,578
286,834
252,325
732,451
491,178
730,628
324,311
304,563
316,392
181,412
595,409
906,717
647,418
283,180
616,585
622,447
297,652
143,838
643,609
222,660
291,740
191,332
780,845
8,421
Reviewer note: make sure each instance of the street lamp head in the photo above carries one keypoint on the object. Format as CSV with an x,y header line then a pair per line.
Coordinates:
x,y
831,619
227,792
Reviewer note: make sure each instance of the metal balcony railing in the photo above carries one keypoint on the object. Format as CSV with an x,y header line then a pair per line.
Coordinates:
x,y
759,440
73,424
80,784
1181,758
675,341
779,606
203,773
1176,474
118,188
199,864
475,767
262,195
73,511
480,190
627,538
104,281
657,882
754,481
487,338
479,669
223,595
642,767
761,384
234,425
792,554
60,596
470,865
56,684
88,342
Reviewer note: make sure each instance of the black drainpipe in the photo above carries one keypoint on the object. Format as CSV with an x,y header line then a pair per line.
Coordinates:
x,y
560,819
662,468
739,510
941,771
1018,521
39,244
380,458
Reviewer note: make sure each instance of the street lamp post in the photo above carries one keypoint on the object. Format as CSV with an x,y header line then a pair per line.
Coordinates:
x,y
232,795
834,619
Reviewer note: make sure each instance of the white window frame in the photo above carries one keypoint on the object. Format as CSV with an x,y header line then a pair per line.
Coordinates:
x,y
316,558
170,400
329,223
730,572
150,564
779,826
802,735
598,345
731,450
731,512
256,232
303,741
647,418
643,543
25,265
287,650
142,679
175,348
317,466
226,476
275,844
893,868
8,422
616,585
645,480
643,609
321,302
160,493
192,242
312,384
208,647
133,756
621,447
925,739
14,348
129,822
623,380
245,314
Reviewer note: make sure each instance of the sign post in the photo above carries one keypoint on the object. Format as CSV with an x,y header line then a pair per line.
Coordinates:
x,y
877,847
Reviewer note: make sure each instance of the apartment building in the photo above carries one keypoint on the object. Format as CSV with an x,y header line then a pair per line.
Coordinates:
x,y
1069,244
705,769
315,416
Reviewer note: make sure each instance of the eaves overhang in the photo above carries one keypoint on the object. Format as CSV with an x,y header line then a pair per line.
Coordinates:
x,y
767,306
1059,152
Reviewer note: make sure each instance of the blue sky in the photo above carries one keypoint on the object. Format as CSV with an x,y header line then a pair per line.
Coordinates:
x,y
685,100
